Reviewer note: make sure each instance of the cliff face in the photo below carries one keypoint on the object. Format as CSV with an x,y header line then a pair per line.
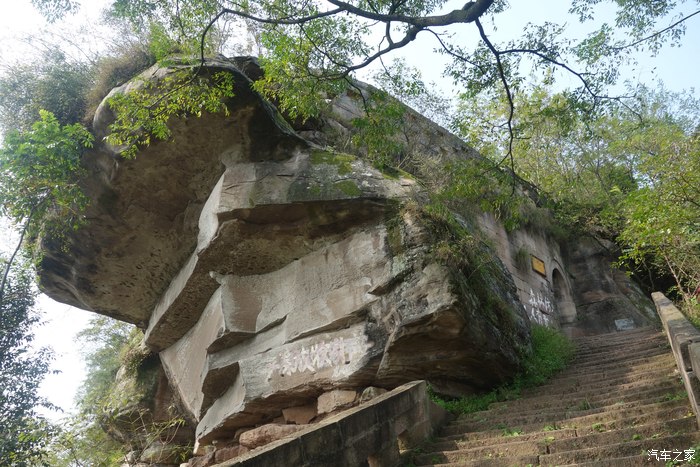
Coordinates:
x,y
267,269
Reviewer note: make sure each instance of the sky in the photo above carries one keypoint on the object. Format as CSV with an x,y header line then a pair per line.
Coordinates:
x,y
677,67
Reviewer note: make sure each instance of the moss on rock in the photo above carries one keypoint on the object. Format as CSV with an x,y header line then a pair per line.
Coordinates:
x,y
343,162
348,187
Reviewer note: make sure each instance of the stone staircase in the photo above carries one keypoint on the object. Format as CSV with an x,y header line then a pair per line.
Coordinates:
x,y
620,398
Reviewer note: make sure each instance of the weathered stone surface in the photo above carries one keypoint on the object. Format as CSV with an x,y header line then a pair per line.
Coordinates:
x,y
230,452
160,452
144,212
603,294
370,393
336,399
266,434
202,450
546,294
248,231
202,461
300,415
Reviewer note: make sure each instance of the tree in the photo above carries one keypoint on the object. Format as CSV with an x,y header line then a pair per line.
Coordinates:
x,y
311,48
52,82
40,172
83,441
576,159
629,176
663,217
24,434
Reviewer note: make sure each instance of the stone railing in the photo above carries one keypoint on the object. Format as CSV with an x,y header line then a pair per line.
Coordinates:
x,y
685,343
369,434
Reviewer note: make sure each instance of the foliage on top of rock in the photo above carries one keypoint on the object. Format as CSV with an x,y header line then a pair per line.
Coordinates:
x,y
143,109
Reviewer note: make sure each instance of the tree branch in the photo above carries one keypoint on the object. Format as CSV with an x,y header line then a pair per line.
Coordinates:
x,y
509,95
653,35
284,21
467,14
14,254
580,75
347,69
454,54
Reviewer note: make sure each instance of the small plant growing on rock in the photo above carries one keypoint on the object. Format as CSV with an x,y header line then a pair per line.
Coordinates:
x,y
669,396
508,432
584,405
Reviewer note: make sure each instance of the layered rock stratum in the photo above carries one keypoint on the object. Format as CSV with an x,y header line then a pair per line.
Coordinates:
x,y
268,265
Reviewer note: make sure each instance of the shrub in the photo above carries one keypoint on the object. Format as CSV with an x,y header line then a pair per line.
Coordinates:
x,y
53,83
116,70
551,352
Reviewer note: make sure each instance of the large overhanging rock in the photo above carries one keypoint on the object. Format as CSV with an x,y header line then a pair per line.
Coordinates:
x,y
266,269
142,223
373,308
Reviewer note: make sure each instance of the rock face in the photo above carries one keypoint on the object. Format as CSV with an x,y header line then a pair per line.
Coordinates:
x,y
144,214
607,299
268,270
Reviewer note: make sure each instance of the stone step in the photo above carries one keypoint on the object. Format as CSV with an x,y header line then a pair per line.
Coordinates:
x,y
487,437
630,461
590,450
493,437
620,397
641,358
494,462
590,438
668,387
602,373
611,378
671,390
653,342
610,360
600,357
630,448
620,341
512,449
618,336
610,419
638,358
605,341
619,385
583,407
628,392
570,439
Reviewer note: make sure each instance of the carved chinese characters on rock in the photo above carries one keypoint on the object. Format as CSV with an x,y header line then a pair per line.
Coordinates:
x,y
315,357
540,309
